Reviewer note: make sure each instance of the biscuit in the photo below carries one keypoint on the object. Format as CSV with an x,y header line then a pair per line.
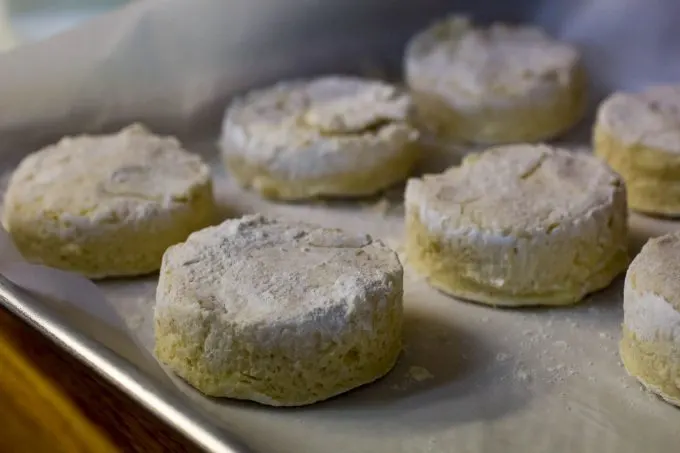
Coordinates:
x,y
107,205
328,137
638,135
650,347
281,313
500,84
519,225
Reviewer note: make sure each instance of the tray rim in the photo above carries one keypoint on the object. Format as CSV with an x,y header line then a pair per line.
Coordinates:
x,y
121,373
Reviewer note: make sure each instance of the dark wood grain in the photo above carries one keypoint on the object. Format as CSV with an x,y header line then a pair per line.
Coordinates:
x,y
51,402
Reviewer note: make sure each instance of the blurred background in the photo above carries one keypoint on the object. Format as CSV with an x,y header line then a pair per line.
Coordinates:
x,y
626,42
23,21
224,47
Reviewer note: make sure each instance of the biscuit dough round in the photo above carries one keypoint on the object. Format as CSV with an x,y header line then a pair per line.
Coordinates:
x,y
519,225
107,205
500,84
281,313
328,137
638,135
650,347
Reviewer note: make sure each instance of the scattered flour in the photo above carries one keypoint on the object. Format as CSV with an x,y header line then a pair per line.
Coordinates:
x,y
419,374
522,373
502,356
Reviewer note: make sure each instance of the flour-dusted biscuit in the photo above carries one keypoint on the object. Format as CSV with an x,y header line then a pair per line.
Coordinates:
x,y
279,312
491,85
519,225
332,136
638,135
107,205
650,347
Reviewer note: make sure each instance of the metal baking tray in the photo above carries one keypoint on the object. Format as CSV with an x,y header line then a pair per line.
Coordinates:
x,y
118,362
478,392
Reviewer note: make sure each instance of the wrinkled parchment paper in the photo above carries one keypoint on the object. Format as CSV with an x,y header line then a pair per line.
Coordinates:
x,y
471,378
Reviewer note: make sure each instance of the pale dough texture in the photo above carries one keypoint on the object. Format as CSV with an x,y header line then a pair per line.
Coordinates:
x,y
332,136
650,348
107,205
281,313
519,225
638,135
499,84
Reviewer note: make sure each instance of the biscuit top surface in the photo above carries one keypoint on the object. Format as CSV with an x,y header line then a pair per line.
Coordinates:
x,y
650,117
495,62
259,271
121,177
327,106
333,124
656,269
515,190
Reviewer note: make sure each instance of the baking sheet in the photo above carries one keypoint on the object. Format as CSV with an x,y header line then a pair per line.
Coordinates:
x,y
471,378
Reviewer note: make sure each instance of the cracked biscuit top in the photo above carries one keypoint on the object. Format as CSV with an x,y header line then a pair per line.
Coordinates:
x,y
515,190
273,274
314,128
90,182
650,117
494,64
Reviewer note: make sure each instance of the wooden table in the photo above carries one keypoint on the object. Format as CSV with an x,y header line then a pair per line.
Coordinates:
x,y
51,402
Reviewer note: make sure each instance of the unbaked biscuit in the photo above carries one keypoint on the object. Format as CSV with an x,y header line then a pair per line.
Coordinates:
x,y
107,205
638,135
519,225
650,347
499,84
328,137
279,312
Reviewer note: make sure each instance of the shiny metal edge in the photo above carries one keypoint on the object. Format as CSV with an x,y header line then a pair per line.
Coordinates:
x,y
119,372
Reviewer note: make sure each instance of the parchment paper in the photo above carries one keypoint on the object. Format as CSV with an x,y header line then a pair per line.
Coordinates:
x,y
471,378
